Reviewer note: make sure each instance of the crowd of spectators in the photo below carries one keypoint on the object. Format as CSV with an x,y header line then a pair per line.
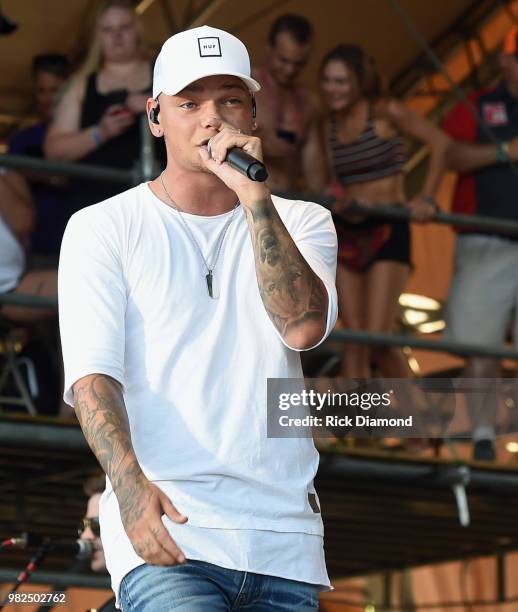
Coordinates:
x,y
347,140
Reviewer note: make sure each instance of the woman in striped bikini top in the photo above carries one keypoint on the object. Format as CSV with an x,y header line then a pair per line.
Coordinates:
x,y
369,157
364,133
363,137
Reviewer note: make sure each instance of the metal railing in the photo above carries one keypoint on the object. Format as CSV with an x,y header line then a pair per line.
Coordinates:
x,y
84,171
441,346
143,169
28,301
474,223
146,169
61,580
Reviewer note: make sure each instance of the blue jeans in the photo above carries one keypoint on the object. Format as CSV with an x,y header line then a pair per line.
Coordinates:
x,y
198,586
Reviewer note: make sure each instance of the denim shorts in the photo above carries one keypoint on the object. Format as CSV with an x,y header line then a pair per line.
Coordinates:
x,y
198,586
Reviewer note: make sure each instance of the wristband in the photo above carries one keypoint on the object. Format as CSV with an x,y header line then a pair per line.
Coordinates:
x,y
502,152
430,200
97,135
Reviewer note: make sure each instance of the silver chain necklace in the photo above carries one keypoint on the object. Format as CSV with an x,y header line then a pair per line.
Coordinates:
x,y
210,269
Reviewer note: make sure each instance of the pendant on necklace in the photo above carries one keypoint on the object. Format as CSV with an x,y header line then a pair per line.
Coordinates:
x,y
208,278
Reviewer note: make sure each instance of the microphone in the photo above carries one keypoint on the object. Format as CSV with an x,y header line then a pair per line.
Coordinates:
x,y
244,163
81,549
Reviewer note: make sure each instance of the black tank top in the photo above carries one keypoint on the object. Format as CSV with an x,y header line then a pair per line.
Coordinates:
x,y
121,152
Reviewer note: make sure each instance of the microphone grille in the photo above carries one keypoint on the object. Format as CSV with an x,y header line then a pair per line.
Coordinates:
x,y
85,550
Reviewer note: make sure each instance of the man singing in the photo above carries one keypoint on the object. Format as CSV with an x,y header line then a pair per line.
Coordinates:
x,y
179,298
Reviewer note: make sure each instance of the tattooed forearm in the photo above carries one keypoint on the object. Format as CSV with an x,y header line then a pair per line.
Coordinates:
x,y
99,405
293,295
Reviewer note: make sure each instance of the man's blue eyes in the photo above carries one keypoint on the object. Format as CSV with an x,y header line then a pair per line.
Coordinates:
x,y
232,101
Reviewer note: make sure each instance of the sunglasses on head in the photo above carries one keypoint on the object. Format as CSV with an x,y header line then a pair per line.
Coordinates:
x,y
92,523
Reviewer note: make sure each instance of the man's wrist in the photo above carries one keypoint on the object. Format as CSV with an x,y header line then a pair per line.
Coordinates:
x,y
127,473
255,196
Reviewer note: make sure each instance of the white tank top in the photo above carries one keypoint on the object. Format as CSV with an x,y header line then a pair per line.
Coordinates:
x,y
12,258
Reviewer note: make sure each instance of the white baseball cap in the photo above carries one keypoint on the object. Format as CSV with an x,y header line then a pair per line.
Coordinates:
x,y
201,52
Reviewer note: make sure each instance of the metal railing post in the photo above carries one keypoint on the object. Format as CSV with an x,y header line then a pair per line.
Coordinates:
x,y
147,163
85,171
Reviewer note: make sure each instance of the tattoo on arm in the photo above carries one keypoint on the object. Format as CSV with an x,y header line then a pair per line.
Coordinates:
x,y
291,292
99,405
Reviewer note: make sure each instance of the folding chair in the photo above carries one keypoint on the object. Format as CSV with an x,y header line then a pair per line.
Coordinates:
x,y
11,363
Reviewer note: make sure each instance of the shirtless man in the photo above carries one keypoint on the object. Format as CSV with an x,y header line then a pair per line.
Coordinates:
x,y
287,112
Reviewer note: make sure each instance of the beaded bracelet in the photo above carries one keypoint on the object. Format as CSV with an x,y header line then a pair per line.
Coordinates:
x,y
97,135
502,152
430,200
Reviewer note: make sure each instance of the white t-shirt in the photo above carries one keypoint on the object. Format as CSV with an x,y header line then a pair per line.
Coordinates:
x,y
134,305
12,258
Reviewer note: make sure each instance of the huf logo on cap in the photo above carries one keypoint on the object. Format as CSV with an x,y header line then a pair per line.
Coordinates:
x,y
209,46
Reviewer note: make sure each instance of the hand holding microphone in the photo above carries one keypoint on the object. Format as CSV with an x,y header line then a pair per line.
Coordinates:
x,y
233,150
241,161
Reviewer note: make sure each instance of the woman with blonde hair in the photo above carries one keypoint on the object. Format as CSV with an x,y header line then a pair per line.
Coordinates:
x,y
96,119
363,139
